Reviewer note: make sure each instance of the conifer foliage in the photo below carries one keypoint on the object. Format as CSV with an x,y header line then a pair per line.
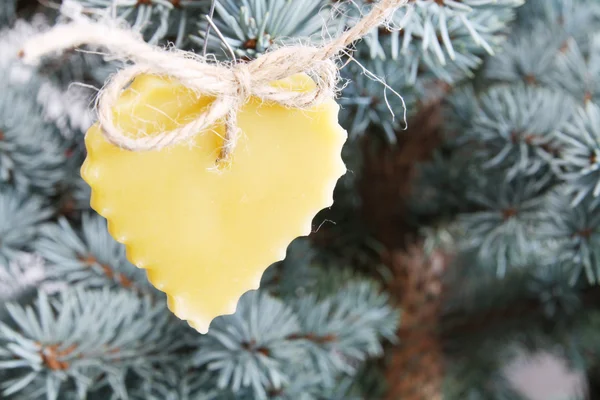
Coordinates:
x,y
508,209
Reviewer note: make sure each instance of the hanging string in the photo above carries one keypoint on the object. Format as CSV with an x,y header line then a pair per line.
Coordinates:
x,y
230,84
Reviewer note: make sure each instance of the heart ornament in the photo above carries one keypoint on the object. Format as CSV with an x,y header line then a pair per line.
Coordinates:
x,y
205,235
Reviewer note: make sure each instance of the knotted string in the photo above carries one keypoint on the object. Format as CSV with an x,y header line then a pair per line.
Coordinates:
x,y
230,84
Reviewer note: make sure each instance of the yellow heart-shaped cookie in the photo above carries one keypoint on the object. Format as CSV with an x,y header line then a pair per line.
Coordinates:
x,y
205,236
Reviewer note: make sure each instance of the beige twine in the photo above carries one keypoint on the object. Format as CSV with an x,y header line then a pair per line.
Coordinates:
x,y
230,84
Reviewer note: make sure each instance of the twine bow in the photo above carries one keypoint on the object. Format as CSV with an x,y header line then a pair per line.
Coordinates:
x,y
230,84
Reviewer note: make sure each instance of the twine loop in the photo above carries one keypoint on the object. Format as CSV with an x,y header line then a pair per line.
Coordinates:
x,y
232,85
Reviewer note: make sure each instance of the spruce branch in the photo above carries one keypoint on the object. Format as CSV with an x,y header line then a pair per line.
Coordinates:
x,y
32,152
156,19
445,28
21,216
439,44
574,231
366,103
249,349
89,256
84,341
270,348
578,74
573,17
529,56
444,35
251,27
552,47
186,383
580,153
513,130
343,329
509,213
